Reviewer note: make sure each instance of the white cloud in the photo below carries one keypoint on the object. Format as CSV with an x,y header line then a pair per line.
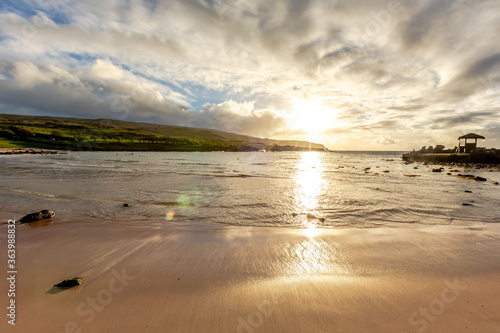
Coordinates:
x,y
428,67
104,69
385,141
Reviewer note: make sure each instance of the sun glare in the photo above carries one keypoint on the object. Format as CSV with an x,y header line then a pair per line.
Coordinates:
x,y
310,180
310,183
311,116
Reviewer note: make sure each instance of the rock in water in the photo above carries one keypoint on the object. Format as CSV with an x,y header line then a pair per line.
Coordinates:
x,y
68,283
314,217
41,215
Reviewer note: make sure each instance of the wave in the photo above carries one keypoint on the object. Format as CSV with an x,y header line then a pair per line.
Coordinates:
x,y
85,165
44,195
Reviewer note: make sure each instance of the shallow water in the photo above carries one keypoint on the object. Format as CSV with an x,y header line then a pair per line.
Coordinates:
x,y
252,189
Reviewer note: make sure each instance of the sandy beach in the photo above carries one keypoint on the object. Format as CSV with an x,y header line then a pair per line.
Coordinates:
x,y
199,278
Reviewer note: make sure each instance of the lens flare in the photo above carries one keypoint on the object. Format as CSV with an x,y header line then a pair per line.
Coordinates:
x,y
170,215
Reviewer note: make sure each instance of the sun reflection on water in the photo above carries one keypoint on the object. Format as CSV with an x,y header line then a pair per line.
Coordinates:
x,y
310,185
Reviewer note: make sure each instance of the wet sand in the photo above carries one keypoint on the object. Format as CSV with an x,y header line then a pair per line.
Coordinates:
x,y
198,278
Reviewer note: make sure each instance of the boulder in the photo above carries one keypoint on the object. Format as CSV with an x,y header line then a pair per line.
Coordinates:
x,y
41,215
69,283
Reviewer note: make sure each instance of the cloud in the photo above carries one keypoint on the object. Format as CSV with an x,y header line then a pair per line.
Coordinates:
x,y
235,117
388,70
385,141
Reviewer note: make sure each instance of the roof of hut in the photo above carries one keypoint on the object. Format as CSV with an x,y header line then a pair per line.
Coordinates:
x,y
471,136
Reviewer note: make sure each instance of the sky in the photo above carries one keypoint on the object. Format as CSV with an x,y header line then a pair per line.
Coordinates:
x,y
351,74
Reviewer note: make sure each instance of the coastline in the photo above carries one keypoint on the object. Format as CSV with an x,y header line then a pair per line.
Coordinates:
x,y
17,151
79,134
199,278
480,157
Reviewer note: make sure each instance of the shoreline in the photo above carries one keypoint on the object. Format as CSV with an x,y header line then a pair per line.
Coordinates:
x,y
203,278
475,158
27,150
18,151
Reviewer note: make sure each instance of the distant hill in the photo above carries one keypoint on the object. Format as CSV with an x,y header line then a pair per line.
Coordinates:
x,y
108,134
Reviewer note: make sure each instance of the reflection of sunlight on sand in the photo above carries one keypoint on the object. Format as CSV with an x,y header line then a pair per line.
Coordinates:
x,y
286,253
311,231
315,257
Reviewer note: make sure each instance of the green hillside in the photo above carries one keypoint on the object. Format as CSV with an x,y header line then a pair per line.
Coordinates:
x,y
107,134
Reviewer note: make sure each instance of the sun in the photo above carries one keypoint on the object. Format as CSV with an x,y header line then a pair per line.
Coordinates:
x,y
311,116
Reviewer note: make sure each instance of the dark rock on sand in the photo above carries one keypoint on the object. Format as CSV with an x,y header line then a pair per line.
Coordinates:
x,y
126,205
41,215
69,283
480,179
294,214
467,204
495,183
467,191
437,170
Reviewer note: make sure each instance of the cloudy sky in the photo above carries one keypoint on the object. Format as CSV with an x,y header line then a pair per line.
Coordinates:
x,y
351,74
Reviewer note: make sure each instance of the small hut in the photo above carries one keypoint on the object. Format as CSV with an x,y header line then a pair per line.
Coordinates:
x,y
468,146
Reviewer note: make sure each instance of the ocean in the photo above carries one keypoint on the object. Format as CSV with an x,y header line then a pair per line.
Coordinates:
x,y
272,189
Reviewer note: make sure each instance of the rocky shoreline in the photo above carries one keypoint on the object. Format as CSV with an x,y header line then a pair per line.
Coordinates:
x,y
18,151
480,157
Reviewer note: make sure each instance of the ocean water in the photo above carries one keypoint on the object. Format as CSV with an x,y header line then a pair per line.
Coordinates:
x,y
249,189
